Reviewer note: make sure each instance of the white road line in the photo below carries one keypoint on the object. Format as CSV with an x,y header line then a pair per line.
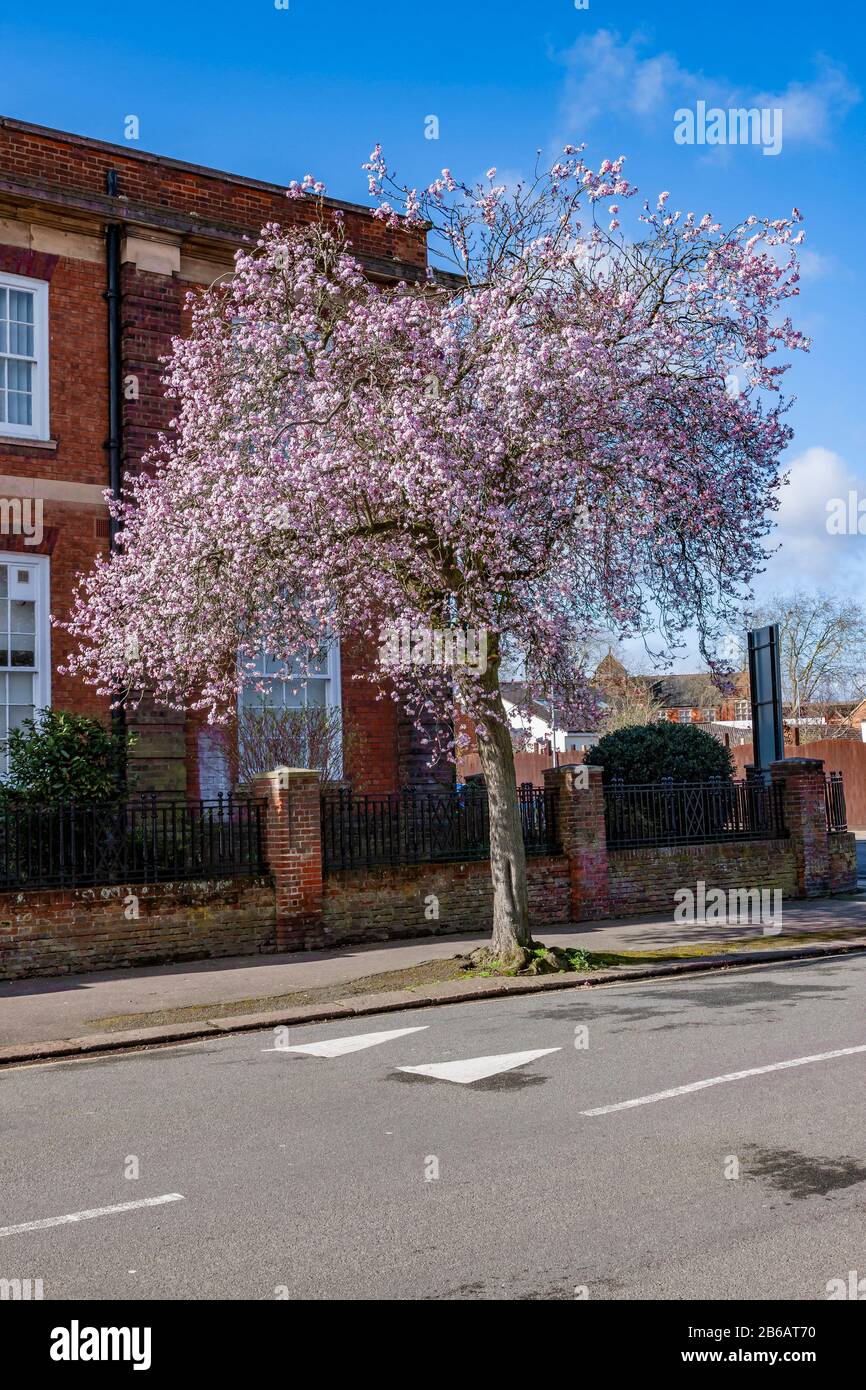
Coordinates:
x,y
720,1080
477,1068
337,1047
89,1215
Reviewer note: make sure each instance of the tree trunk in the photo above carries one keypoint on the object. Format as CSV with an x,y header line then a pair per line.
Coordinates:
x,y
507,853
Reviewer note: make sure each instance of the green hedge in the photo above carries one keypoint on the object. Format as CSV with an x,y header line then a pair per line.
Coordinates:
x,y
649,752
64,757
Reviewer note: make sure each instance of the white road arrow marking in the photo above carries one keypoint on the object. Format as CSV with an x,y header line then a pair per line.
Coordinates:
x,y
477,1068
90,1215
337,1047
721,1080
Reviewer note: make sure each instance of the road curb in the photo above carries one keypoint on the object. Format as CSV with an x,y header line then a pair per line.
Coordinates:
x,y
398,1001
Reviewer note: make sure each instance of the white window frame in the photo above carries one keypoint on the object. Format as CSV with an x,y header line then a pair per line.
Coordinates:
x,y
42,596
39,429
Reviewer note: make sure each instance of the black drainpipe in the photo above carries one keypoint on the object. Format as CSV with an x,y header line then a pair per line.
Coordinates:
x,y
114,443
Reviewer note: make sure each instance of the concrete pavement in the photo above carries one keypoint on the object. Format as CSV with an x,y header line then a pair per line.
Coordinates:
x,y
70,1006
347,1176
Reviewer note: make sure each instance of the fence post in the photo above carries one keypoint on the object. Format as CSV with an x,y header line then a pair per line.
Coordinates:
x,y
293,849
803,799
580,817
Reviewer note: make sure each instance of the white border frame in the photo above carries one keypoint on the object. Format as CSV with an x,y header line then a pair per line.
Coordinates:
x,y
40,427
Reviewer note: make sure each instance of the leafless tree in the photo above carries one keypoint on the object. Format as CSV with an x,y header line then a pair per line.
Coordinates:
x,y
629,702
264,738
823,646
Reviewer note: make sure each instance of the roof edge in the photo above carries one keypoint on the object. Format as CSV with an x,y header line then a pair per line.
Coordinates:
x,y
148,157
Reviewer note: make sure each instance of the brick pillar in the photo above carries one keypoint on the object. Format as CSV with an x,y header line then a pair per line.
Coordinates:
x,y
293,849
806,820
580,808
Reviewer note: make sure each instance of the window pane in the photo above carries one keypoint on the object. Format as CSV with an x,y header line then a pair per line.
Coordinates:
x,y
21,339
20,408
23,651
20,385
316,691
292,696
17,715
19,375
23,615
21,306
318,666
251,698
20,689
4,648
4,579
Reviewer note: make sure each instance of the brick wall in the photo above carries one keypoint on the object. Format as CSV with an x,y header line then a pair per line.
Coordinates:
x,y
72,169
842,847
300,908
385,903
371,723
586,882
645,880
67,931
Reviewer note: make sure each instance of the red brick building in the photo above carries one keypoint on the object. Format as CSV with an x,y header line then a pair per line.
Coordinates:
x,y
87,230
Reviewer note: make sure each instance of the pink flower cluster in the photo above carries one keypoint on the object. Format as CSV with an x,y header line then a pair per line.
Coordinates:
x,y
540,444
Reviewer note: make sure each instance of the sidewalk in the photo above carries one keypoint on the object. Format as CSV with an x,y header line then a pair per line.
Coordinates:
x,y
73,1006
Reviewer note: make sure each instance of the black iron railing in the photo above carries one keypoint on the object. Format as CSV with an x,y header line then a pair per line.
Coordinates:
x,y
689,813
149,840
415,827
834,796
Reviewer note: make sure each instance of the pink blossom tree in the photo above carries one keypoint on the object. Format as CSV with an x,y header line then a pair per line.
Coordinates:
x,y
540,440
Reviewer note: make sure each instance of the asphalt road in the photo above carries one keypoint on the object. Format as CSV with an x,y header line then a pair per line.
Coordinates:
x,y
301,1175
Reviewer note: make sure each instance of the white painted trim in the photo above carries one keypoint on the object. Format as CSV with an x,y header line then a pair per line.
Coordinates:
x,y
41,385
335,688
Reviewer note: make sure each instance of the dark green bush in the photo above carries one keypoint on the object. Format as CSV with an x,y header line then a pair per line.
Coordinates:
x,y
64,757
649,752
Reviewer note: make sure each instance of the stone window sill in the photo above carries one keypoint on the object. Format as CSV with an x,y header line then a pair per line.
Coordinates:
x,y
15,441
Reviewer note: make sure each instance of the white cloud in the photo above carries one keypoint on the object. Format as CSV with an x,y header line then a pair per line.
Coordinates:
x,y
607,76
811,109
809,553
814,265
611,76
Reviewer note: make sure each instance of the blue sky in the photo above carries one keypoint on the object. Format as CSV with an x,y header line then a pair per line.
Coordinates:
x,y
274,93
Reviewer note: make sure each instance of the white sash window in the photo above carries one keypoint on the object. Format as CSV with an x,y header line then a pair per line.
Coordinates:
x,y
23,357
25,674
